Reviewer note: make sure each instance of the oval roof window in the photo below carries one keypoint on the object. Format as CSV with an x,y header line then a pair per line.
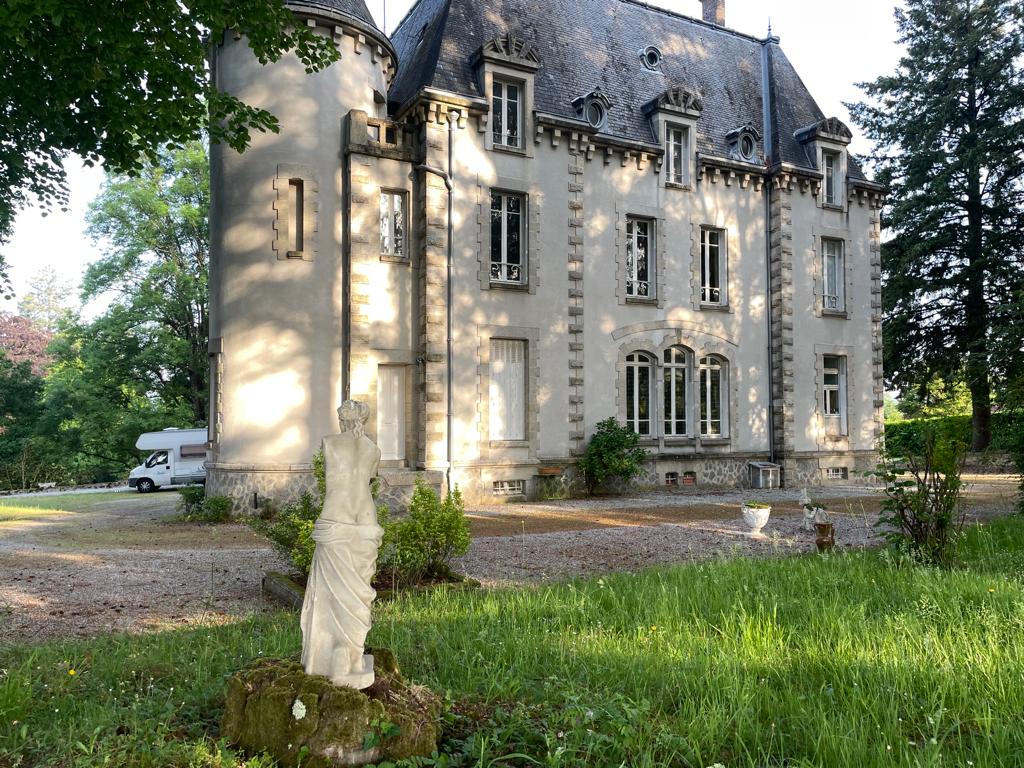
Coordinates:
x,y
595,113
651,58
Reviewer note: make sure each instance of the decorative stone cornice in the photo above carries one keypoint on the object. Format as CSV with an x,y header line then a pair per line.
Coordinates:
x,y
510,51
867,193
728,171
676,101
830,129
436,106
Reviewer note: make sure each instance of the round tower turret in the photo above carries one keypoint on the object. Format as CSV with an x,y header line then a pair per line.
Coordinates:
x,y
278,240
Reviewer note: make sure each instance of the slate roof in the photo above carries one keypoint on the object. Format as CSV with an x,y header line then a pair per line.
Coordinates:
x,y
584,44
355,9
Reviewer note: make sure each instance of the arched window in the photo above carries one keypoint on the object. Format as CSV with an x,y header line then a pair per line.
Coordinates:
x,y
676,380
638,393
714,418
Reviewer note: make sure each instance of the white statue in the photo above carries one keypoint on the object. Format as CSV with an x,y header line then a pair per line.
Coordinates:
x,y
808,508
336,610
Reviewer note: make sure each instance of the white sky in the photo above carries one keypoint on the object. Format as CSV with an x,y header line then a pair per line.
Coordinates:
x,y
833,45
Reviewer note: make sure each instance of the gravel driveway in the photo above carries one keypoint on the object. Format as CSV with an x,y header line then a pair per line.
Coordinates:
x,y
122,566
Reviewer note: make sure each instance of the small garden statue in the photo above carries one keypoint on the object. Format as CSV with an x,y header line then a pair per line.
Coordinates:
x,y
336,610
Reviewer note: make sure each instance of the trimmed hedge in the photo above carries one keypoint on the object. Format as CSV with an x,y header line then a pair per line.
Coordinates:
x,y
903,437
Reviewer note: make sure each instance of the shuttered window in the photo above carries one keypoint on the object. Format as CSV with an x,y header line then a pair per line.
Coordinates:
x,y
508,389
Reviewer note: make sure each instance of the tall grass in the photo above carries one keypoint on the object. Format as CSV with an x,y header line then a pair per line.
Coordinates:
x,y
848,660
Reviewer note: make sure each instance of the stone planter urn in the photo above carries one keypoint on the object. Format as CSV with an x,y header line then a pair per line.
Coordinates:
x,y
756,515
826,539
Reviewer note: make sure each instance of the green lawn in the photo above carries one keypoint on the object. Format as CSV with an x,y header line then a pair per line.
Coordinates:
x,y
37,506
27,507
842,661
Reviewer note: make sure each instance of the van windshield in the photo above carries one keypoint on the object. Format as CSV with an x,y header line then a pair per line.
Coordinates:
x,y
160,457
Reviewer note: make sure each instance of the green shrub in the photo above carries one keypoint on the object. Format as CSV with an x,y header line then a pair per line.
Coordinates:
x,y
908,437
921,513
413,549
613,452
190,498
196,508
421,546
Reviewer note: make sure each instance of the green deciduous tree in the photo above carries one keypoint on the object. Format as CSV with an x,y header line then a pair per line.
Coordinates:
x,y
154,272
949,131
116,81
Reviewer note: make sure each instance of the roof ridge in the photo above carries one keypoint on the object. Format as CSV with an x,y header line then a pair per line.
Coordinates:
x,y
405,18
698,22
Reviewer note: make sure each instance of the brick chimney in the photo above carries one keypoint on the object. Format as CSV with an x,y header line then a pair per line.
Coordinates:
x,y
714,12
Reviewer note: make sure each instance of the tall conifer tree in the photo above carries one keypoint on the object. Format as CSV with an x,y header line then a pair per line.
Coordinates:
x,y
949,131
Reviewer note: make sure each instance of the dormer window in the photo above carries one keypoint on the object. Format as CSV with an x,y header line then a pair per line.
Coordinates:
x,y
827,140
593,108
747,147
650,57
506,67
506,111
831,163
743,143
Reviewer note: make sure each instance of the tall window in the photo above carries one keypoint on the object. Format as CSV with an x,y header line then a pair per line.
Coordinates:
x,y
638,393
677,154
508,251
639,257
833,272
392,224
297,200
713,420
507,390
834,386
676,376
831,161
712,266
506,113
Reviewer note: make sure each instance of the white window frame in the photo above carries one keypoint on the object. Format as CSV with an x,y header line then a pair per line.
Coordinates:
x,y
635,287
710,253
389,245
506,413
709,366
830,167
833,294
635,362
833,389
502,271
677,153
500,101
676,381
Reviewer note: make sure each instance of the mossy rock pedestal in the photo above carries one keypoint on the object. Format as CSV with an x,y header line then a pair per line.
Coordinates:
x,y
273,706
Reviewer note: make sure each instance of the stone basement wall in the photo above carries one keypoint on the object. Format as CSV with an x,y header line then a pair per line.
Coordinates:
x,y
284,487
281,487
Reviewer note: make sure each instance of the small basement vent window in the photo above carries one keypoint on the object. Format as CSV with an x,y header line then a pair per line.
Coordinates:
x,y
509,487
671,478
837,473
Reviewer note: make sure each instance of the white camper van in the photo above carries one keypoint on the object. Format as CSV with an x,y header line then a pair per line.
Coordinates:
x,y
178,456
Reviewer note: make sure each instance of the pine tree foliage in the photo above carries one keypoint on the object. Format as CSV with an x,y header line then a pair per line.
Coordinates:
x,y
949,131
48,301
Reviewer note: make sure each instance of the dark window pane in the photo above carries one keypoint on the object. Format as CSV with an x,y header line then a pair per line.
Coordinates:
x,y
513,231
496,234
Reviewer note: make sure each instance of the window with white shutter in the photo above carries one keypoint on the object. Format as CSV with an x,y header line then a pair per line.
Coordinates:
x,y
508,390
